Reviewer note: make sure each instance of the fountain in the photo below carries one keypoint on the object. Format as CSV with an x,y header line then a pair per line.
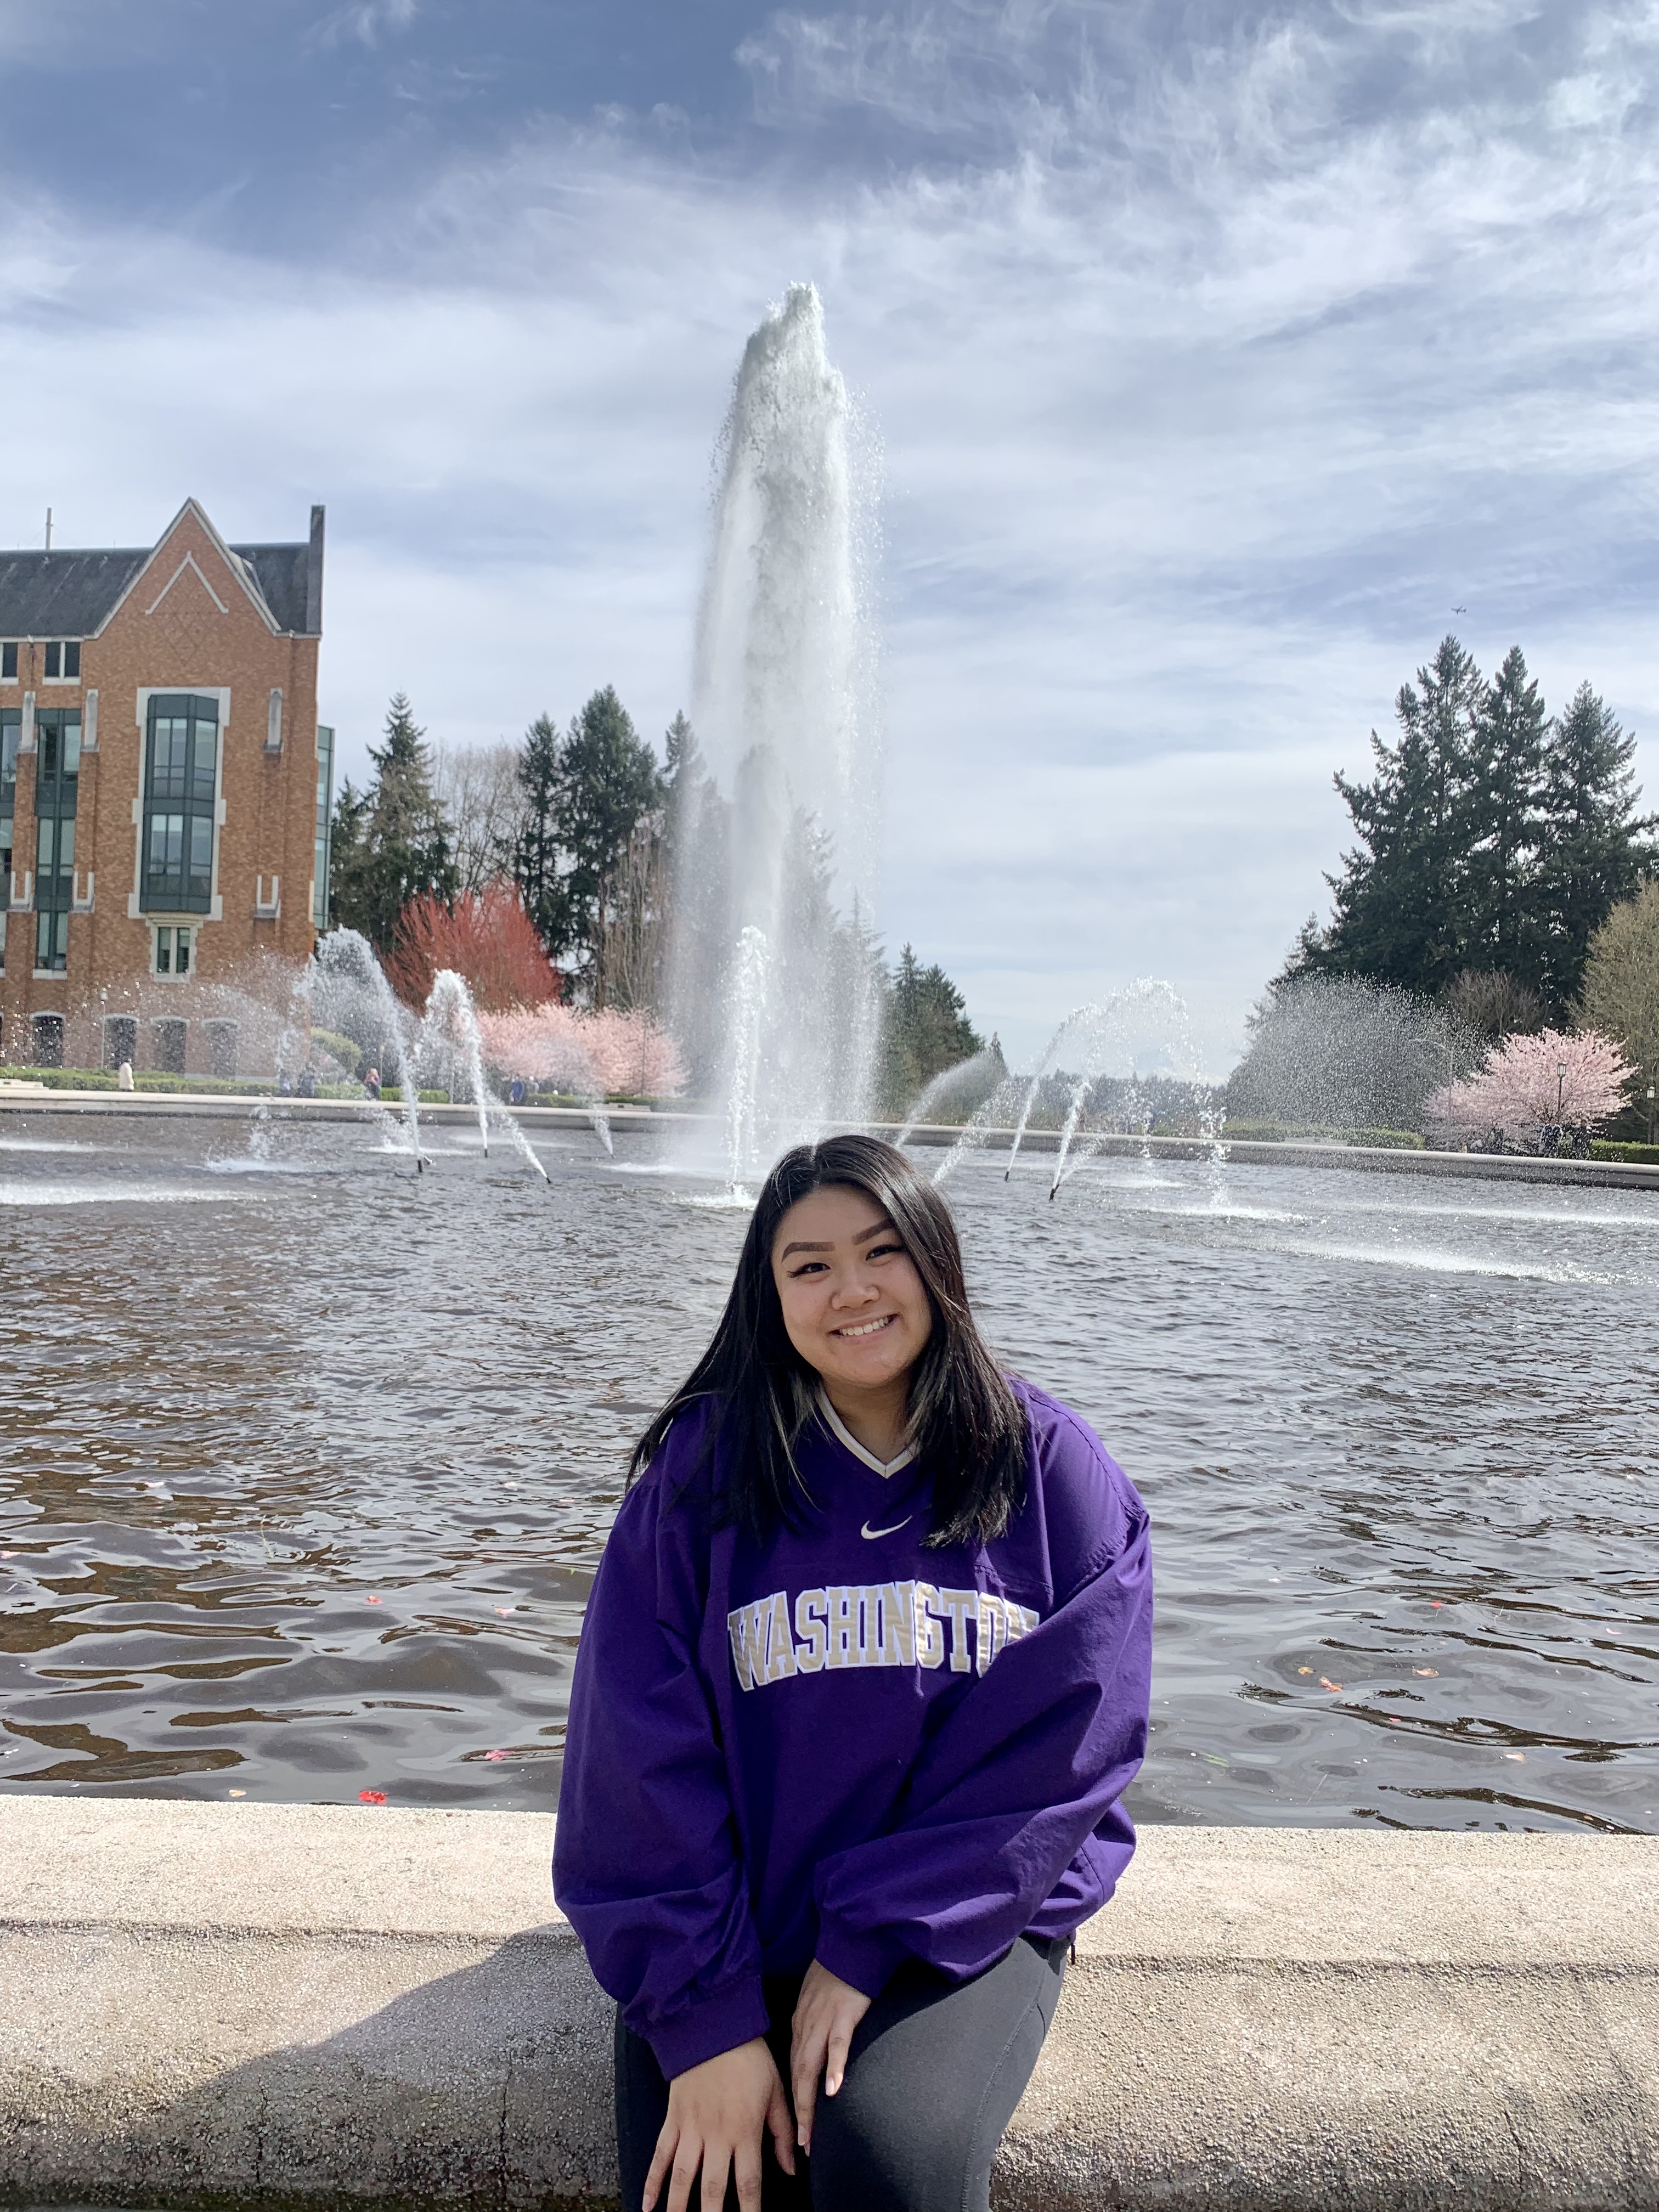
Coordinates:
x,y
452,1020
1144,1027
975,1080
343,966
1339,1055
772,968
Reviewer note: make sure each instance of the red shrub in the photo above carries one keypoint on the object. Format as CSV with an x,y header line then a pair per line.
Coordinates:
x,y
487,938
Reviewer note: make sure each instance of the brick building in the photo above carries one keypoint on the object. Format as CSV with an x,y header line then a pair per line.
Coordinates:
x,y
164,794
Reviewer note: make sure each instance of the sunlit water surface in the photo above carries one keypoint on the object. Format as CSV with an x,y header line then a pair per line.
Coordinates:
x,y
305,1461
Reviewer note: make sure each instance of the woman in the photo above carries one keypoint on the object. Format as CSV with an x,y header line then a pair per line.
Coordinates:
x,y
863,1678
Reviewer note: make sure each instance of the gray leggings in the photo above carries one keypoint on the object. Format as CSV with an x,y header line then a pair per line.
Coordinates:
x,y
935,2072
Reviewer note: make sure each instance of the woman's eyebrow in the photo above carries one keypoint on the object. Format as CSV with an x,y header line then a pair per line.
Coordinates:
x,y
882,1228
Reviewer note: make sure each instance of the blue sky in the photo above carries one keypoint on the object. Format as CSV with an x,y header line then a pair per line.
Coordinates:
x,y
1216,353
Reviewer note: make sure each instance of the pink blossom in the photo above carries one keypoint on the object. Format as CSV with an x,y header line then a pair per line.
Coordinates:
x,y
1520,1086
593,1054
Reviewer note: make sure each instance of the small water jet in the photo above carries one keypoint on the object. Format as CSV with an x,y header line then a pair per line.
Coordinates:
x,y
749,1003
1144,1030
974,1078
343,967
452,1020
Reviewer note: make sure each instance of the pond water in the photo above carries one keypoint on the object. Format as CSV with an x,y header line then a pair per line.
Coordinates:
x,y
305,1462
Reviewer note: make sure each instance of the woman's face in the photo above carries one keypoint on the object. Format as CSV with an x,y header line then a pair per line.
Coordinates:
x,y
853,1304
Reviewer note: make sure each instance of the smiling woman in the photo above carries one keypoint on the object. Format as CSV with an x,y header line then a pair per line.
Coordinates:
x,y
831,1815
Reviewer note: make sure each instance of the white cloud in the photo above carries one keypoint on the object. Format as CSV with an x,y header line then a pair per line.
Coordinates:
x,y
365,21
1208,385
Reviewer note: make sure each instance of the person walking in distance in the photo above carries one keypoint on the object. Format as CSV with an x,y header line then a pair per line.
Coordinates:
x,y
864,1676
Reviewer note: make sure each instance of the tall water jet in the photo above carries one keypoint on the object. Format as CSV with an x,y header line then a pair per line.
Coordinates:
x,y
780,831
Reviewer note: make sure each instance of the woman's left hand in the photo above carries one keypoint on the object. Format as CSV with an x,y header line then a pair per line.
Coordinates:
x,y
826,2012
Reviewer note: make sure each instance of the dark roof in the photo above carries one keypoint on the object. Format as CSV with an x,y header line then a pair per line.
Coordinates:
x,y
63,595
68,594
280,573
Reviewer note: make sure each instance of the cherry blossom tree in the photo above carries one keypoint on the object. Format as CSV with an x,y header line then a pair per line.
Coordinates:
x,y
1526,1083
601,1054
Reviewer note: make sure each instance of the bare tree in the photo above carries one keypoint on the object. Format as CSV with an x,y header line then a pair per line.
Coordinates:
x,y
478,790
1621,981
632,922
1494,1003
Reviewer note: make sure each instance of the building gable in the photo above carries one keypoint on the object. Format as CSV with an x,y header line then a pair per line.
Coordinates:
x,y
190,542
76,594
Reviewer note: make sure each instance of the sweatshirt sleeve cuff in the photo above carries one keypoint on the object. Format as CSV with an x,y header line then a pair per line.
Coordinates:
x,y
734,2014
866,1959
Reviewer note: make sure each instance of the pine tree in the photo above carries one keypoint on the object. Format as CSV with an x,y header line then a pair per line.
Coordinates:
x,y
536,848
1503,820
1400,900
1594,850
608,778
346,835
392,842
928,1028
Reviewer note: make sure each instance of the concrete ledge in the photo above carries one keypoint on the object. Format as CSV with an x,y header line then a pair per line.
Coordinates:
x,y
299,2008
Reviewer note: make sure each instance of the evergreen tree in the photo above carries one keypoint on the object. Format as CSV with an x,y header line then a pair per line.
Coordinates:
x,y
928,1028
392,842
345,834
1503,821
1594,852
1492,844
536,850
1400,900
608,778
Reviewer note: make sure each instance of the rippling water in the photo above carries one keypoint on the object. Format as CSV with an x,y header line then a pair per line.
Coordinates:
x,y
305,1462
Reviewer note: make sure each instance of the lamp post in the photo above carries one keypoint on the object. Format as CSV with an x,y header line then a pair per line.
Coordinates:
x,y
1560,1086
1650,1113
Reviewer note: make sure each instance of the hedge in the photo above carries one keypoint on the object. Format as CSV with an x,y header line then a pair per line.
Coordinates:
x,y
1285,1133
202,1086
1643,1156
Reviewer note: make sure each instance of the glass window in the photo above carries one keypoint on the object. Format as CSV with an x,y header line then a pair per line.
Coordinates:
x,y
172,951
180,778
54,661
166,845
57,771
7,664
62,660
52,940
320,858
58,759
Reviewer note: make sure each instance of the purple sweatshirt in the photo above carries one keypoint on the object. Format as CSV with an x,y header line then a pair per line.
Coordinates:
x,y
837,1743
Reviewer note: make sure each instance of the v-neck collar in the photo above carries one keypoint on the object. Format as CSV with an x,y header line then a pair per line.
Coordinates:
x,y
843,1435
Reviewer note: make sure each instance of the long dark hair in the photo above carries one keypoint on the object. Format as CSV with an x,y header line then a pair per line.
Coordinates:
x,y
968,1427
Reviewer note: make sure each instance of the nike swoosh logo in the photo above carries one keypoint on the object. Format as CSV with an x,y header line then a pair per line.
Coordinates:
x,y
873,1532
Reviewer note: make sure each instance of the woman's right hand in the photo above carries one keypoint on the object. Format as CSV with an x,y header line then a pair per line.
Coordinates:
x,y
718,2117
